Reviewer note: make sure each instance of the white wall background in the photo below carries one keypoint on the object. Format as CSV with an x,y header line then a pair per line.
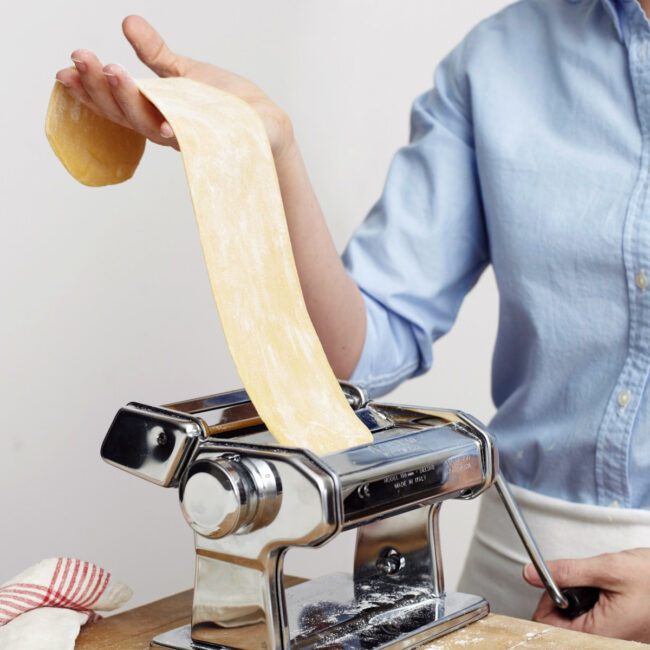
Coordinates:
x,y
103,294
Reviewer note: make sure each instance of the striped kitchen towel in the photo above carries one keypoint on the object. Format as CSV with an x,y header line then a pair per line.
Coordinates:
x,y
59,593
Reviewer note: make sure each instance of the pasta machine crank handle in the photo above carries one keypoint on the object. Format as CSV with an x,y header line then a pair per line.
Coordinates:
x,y
572,601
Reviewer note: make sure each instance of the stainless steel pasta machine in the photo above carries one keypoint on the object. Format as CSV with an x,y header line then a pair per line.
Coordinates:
x,y
249,500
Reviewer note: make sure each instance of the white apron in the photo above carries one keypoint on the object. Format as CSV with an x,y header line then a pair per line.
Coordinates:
x,y
561,529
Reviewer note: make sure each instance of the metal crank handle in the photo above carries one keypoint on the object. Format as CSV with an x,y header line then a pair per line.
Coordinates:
x,y
571,602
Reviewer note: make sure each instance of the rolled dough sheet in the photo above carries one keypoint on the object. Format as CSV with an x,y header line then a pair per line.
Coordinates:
x,y
238,207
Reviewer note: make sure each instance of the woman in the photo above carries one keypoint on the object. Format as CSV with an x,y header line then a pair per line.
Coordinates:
x,y
531,153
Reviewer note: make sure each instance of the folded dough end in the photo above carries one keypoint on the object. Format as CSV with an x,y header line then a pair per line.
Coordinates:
x,y
93,149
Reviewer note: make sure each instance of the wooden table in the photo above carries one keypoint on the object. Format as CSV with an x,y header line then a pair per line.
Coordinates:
x,y
134,629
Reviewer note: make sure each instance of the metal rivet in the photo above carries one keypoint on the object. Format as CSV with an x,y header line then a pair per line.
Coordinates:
x,y
162,438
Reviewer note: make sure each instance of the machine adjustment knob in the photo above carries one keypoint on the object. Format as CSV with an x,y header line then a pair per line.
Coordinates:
x,y
226,495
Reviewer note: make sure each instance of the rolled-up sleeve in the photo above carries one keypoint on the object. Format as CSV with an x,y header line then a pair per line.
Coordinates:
x,y
423,245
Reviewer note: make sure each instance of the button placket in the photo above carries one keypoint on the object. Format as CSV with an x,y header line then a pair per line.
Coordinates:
x,y
612,456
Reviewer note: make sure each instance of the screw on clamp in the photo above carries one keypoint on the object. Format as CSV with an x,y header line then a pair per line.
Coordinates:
x,y
390,561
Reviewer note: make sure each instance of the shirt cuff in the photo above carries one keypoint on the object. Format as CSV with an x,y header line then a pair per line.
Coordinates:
x,y
383,364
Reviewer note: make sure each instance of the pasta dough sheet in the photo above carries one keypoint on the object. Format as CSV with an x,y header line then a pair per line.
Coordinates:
x,y
238,207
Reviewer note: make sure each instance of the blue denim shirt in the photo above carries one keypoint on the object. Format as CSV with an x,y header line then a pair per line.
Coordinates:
x,y
531,153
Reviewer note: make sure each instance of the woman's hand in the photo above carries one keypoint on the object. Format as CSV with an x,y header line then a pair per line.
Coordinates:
x,y
111,93
623,608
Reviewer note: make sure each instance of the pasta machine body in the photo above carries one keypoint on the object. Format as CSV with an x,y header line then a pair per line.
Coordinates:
x,y
249,500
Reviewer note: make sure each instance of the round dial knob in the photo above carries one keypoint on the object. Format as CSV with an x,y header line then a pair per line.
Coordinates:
x,y
222,496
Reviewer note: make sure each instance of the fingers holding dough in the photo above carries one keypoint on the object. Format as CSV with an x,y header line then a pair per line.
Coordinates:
x,y
96,85
69,77
141,115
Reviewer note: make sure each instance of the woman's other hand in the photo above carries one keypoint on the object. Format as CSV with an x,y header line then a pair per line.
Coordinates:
x,y
623,608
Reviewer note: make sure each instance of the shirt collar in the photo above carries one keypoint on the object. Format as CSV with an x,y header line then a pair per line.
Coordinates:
x,y
613,9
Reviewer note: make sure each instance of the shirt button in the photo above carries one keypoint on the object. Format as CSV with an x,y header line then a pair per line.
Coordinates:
x,y
623,398
641,280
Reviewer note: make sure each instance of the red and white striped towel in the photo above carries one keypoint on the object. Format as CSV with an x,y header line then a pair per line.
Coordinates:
x,y
56,585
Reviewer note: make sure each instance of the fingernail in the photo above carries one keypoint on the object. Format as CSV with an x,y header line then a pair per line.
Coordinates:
x,y
166,130
111,78
65,85
80,65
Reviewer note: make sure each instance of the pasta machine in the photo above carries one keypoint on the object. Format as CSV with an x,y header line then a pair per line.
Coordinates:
x,y
249,500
